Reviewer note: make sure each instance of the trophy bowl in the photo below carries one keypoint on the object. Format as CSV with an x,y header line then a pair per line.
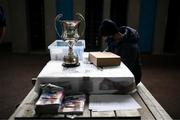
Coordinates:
x,y
70,34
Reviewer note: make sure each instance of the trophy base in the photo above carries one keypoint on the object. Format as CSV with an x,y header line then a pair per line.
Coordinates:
x,y
70,65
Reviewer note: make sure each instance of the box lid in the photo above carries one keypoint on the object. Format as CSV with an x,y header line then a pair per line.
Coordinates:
x,y
103,59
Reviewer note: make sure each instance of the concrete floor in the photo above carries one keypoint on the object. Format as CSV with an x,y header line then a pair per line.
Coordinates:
x,y
161,75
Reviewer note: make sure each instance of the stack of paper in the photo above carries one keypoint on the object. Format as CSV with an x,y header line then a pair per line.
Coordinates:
x,y
112,102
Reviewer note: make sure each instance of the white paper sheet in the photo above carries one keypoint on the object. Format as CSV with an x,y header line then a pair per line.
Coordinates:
x,y
112,102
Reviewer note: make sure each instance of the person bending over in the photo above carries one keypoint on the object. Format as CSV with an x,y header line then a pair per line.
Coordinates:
x,y
123,41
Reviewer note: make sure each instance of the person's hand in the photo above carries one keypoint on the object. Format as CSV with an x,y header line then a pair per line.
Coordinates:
x,y
104,38
118,36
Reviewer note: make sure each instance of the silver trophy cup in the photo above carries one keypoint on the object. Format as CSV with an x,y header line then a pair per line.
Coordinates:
x,y
70,34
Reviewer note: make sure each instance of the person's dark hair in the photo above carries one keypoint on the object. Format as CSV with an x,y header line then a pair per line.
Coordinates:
x,y
107,28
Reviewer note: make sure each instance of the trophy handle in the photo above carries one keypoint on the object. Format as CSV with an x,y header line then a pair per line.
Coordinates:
x,y
83,21
57,19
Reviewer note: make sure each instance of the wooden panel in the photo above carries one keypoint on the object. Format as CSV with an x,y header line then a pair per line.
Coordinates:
x,y
156,109
150,110
26,107
144,111
103,114
86,113
133,114
50,116
26,111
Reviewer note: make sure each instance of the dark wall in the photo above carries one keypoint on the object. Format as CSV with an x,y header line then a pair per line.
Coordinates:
x,y
93,15
172,43
118,11
35,20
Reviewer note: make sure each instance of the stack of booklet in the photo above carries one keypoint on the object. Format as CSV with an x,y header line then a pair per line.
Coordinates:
x,y
73,104
52,100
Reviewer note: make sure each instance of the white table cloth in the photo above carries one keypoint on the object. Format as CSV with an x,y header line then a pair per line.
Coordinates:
x,y
86,77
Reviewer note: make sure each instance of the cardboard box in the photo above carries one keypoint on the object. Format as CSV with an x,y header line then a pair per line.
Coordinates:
x,y
103,59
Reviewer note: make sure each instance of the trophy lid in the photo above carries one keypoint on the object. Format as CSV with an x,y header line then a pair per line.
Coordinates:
x,y
70,23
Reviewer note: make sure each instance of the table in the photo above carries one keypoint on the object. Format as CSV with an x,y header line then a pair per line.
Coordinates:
x,y
151,109
91,77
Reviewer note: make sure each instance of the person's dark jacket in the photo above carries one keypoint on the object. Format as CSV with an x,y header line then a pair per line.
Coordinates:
x,y
128,50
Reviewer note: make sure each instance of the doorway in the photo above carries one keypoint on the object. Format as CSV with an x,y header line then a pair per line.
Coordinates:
x,y
93,15
119,12
35,20
171,38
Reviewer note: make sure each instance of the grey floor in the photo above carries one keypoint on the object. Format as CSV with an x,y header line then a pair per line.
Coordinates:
x,y
161,75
